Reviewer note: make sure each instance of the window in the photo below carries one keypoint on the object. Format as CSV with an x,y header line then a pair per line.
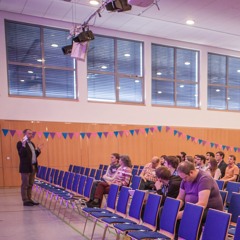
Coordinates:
x,y
175,76
115,71
36,65
223,82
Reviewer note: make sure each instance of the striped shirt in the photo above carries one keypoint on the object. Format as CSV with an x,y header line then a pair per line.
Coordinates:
x,y
149,172
122,176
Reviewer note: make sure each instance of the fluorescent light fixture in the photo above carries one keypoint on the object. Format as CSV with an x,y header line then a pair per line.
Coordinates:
x,y
190,22
159,92
181,86
54,45
127,55
39,60
22,80
94,2
137,81
30,72
228,98
104,67
159,73
187,63
218,90
238,70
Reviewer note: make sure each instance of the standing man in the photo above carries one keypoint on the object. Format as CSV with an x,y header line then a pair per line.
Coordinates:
x,y
148,174
221,164
28,154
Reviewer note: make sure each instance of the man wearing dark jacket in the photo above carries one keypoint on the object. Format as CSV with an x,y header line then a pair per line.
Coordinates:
x,y
28,154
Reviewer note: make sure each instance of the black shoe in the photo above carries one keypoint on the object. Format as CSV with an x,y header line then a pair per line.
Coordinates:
x,y
28,203
93,204
33,202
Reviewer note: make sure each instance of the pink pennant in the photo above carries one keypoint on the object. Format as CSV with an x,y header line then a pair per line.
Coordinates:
x,y
94,134
216,145
126,132
141,130
19,133
76,134
39,134
58,134
110,134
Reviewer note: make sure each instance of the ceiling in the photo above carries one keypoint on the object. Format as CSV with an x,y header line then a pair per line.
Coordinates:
x,y
217,22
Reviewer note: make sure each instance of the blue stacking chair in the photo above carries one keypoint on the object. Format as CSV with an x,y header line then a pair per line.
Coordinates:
x,y
105,167
134,213
111,204
237,230
134,171
190,222
92,173
100,166
167,223
232,187
98,174
234,209
224,195
149,221
216,225
82,170
220,184
135,183
86,172
70,168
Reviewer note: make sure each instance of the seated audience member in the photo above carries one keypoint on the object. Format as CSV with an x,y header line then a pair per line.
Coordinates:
x,y
121,177
200,162
183,156
167,185
232,170
171,162
162,160
199,188
148,174
213,169
189,158
209,156
221,164
179,158
108,176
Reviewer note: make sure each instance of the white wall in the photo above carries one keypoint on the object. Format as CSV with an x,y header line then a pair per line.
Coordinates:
x,y
12,108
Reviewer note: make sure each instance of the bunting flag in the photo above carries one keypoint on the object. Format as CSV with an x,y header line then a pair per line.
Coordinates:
x,y
116,133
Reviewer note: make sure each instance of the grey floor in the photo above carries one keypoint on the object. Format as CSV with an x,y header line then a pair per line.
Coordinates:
x,y
18,222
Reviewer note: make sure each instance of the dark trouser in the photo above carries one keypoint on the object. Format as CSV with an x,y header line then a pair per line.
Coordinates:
x,y
93,190
102,188
148,185
27,183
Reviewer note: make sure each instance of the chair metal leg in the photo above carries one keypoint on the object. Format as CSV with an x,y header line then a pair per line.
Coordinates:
x,y
105,231
87,215
95,223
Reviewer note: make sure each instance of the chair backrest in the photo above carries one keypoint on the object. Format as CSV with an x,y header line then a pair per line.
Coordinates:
x,y
151,211
100,166
82,169
81,185
105,167
98,174
55,178
70,180
224,196
190,222
60,178
38,172
76,182
92,172
52,174
136,206
136,166
135,183
87,170
234,206
103,172
168,217
75,168
220,184
216,225
70,168
123,201
88,187
43,172
134,171
237,232
232,187
112,197
48,174
65,179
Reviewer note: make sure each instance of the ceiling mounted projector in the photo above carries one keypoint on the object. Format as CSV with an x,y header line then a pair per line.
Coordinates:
x,y
84,36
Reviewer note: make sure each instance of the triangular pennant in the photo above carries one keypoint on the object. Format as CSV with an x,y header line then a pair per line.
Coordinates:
x,y
46,134
151,129
200,141
58,134
167,128
64,134
179,134
121,133
33,134
204,142
110,134
131,131
193,139
227,147
188,137
105,134
116,133
175,132
212,144
19,133
12,132
76,134
39,134
137,131
82,135
126,132
146,130
216,145
100,134
52,134
88,134
223,147
70,135
159,128
5,132
238,149
235,149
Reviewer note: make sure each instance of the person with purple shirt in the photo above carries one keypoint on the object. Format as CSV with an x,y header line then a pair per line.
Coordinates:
x,y
198,187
